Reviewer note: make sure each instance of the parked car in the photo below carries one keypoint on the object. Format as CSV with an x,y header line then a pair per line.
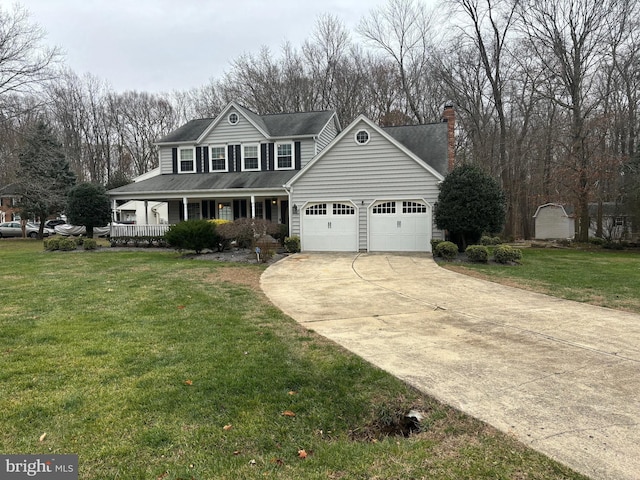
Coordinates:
x,y
14,229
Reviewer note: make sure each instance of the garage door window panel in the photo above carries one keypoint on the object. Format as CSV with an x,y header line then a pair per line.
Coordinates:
x,y
319,209
413,207
342,209
384,208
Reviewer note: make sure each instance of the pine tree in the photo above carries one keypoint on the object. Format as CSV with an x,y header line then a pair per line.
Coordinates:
x,y
44,175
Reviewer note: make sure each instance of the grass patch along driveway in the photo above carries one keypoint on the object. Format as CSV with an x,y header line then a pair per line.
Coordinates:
x,y
600,277
151,366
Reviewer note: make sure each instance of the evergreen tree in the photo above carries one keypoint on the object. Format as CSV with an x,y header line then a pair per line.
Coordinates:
x,y
470,202
88,205
44,175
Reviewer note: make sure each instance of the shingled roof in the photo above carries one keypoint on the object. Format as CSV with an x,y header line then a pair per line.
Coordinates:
x,y
428,142
275,125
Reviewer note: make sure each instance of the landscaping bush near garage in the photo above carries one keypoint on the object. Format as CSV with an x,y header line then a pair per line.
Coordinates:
x,y
477,253
446,250
507,254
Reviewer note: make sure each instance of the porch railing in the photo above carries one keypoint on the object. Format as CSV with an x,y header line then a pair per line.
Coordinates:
x,y
138,231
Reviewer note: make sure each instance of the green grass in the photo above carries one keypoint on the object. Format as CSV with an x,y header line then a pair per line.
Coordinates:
x,y
136,361
600,277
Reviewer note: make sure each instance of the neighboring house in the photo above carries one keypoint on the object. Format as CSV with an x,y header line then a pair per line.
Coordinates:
x,y
9,199
554,221
362,188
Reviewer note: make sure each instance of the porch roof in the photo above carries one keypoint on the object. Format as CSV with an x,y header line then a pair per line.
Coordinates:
x,y
173,185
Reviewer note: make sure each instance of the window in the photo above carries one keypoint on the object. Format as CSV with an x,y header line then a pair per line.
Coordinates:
x,y
233,118
187,160
319,209
413,207
284,156
259,206
193,210
342,209
218,159
362,137
386,207
224,211
250,157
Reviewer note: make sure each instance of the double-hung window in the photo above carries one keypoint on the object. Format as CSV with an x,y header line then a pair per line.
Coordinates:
x,y
284,156
187,160
218,159
250,157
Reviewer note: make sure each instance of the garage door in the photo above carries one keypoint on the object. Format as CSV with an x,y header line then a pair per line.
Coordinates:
x,y
329,227
400,226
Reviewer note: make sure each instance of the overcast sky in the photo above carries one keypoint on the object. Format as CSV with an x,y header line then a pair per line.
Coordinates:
x,y
165,45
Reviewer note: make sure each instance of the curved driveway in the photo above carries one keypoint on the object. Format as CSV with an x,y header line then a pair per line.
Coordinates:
x,y
561,376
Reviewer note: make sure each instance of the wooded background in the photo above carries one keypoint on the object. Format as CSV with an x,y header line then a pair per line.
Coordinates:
x,y
545,91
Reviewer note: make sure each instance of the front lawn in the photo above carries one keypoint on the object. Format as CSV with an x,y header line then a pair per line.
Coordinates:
x,y
153,366
606,278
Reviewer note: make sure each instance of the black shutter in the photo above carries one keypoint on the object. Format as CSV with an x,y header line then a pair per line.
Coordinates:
x,y
205,209
243,209
238,157
298,155
205,159
272,158
230,160
174,159
263,156
267,207
236,209
181,205
198,159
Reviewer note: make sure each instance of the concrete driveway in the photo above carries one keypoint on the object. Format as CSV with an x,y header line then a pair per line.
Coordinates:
x,y
561,376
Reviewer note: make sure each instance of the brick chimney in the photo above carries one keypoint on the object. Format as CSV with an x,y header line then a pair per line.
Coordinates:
x,y
449,116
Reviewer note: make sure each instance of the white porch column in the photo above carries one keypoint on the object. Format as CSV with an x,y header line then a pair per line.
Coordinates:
x,y
184,208
146,212
253,206
114,215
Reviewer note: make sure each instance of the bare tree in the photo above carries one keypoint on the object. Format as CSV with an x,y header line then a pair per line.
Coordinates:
x,y
25,63
401,29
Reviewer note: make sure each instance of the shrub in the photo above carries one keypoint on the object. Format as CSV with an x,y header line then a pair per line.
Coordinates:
x,y
434,244
292,244
79,241
477,253
192,235
52,244
219,221
244,231
507,254
489,240
67,244
597,241
90,244
613,245
447,250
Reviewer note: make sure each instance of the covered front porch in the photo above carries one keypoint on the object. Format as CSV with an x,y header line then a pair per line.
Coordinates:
x,y
224,207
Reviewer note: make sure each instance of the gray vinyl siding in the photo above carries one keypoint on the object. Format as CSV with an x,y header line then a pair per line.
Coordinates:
x,y
328,133
363,174
307,151
242,132
166,165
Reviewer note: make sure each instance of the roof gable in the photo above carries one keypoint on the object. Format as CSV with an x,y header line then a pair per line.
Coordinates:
x,y
281,125
409,134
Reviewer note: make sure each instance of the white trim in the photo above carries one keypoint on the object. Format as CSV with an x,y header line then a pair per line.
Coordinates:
x,y
225,149
293,155
362,130
193,150
242,157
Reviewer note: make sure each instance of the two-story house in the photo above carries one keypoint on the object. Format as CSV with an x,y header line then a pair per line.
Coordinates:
x,y
9,199
362,188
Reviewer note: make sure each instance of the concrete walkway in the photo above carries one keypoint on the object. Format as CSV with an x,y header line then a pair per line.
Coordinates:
x,y
561,376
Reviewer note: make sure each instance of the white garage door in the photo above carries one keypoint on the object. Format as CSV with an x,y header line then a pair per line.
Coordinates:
x,y
400,226
329,227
